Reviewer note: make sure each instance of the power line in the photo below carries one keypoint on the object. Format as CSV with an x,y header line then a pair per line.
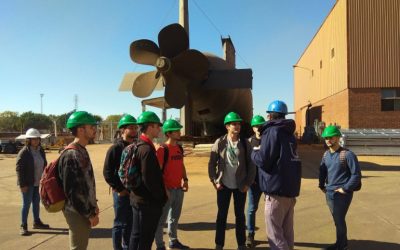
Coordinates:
x,y
218,30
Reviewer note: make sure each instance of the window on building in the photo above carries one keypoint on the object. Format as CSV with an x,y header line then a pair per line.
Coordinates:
x,y
320,64
332,52
312,73
390,99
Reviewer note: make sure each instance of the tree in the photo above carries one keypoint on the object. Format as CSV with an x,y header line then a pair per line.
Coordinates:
x,y
35,120
113,118
10,121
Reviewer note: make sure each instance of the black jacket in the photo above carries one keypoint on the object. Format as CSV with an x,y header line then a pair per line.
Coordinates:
x,y
112,163
25,166
152,190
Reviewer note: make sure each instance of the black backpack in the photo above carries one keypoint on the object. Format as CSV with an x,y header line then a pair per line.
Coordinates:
x,y
343,163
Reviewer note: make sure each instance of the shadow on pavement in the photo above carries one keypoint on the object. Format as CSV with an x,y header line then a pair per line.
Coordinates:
x,y
202,226
355,244
101,233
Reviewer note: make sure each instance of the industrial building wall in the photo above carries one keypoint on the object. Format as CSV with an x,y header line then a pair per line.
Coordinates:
x,y
365,110
333,110
374,43
321,71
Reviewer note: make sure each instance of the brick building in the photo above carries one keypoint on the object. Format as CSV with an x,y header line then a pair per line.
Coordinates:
x,y
349,74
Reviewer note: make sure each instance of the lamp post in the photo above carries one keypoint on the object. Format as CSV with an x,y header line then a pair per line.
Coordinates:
x,y
309,135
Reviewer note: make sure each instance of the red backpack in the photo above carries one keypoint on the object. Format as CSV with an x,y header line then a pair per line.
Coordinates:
x,y
51,192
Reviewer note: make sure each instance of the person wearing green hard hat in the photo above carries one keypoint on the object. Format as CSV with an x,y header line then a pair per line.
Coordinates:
x,y
170,156
339,177
279,170
122,225
150,197
76,174
254,193
231,172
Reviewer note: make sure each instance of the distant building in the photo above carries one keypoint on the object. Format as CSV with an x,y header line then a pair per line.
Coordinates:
x,y
349,74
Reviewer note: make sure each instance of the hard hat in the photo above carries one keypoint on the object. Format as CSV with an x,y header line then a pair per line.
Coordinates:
x,y
32,133
79,118
232,117
148,117
171,125
277,107
127,120
257,120
331,131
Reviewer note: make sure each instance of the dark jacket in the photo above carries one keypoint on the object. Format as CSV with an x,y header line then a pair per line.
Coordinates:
x,y
152,190
254,142
112,163
77,178
246,171
277,160
25,166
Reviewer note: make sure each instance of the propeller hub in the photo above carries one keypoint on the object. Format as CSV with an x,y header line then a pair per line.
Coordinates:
x,y
163,64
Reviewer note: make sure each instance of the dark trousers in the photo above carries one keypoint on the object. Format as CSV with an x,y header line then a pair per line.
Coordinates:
x,y
339,205
145,220
254,195
122,227
223,201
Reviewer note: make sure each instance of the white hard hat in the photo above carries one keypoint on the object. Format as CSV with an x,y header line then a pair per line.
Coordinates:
x,y
32,133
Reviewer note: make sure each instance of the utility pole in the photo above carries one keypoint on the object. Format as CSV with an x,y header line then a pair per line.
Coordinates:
x,y
186,111
41,103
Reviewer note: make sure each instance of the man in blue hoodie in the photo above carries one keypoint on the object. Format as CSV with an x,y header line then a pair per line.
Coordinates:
x,y
339,176
279,175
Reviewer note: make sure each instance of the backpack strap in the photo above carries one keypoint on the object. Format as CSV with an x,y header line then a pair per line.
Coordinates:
x,y
342,157
166,156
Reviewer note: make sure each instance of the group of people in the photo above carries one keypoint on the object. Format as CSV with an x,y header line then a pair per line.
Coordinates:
x,y
240,167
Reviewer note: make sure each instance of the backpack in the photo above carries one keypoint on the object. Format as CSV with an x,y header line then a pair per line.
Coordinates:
x,y
129,171
51,191
343,163
166,155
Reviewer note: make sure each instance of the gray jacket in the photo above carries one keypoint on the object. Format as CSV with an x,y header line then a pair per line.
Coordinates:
x,y
246,171
25,166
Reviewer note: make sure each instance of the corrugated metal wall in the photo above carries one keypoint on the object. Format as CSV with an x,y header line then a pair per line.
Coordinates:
x,y
313,82
374,43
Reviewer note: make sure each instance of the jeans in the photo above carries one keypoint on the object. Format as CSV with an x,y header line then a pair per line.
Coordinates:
x,y
254,195
279,214
172,210
145,218
30,196
122,226
339,205
223,201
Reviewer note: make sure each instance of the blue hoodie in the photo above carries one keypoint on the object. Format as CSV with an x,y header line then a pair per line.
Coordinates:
x,y
277,160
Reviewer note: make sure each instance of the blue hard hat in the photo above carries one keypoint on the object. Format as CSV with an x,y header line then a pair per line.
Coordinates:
x,y
277,107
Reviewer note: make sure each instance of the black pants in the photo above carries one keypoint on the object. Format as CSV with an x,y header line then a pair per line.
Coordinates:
x,y
223,200
144,225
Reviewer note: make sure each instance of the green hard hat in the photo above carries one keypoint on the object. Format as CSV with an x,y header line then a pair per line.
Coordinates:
x,y
79,118
171,125
232,117
148,117
331,131
257,120
126,120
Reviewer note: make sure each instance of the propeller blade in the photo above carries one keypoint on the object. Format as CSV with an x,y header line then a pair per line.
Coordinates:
x,y
175,90
191,64
145,84
229,79
160,84
144,52
173,40
127,81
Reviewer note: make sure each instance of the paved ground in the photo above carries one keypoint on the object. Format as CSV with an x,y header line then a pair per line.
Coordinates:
x,y
373,219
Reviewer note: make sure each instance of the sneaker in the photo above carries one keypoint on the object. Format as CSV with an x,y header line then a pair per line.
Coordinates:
x,y
23,230
177,245
331,247
250,240
40,225
241,248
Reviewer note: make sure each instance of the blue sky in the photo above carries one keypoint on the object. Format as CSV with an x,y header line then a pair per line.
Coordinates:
x,y
68,47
